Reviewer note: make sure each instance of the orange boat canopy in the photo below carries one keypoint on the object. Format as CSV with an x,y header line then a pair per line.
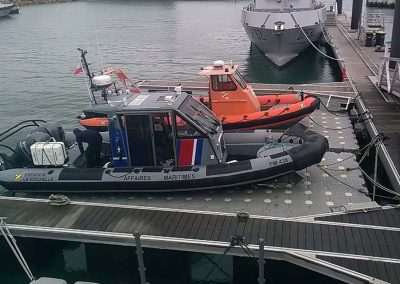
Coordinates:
x,y
229,92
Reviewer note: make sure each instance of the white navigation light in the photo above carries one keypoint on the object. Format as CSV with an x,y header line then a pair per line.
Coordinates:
x,y
102,80
178,90
279,26
218,63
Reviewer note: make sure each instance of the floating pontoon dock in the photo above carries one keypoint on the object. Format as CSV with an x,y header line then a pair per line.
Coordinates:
x,y
362,65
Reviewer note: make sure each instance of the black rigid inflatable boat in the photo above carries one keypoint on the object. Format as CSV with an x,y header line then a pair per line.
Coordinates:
x,y
162,142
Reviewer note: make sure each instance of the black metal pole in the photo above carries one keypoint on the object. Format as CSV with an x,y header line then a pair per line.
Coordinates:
x,y
395,51
261,261
139,252
339,6
356,14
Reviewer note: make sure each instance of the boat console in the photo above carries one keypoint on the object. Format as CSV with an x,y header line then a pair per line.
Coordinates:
x,y
165,129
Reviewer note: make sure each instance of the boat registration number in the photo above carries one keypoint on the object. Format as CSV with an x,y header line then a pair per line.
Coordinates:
x,y
278,162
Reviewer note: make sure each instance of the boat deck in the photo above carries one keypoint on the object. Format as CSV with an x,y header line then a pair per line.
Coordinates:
x,y
385,115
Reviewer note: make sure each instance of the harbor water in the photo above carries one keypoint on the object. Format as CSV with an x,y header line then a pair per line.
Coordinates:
x,y
148,39
162,39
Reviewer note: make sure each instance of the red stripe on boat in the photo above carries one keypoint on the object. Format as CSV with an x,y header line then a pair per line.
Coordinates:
x,y
185,152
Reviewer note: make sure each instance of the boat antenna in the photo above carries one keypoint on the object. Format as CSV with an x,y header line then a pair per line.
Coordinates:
x,y
85,65
88,77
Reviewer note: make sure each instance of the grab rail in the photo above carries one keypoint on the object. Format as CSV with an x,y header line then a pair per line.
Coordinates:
x,y
11,131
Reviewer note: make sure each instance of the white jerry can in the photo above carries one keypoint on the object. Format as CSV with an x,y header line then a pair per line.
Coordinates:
x,y
48,153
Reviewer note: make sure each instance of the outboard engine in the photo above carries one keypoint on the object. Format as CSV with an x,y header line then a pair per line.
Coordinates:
x,y
23,148
5,163
53,130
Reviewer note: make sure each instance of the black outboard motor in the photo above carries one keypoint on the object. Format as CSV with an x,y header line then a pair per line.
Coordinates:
x,y
53,130
23,148
22,155
5,162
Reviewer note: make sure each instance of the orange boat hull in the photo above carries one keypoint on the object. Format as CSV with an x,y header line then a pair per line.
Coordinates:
x,y
279,111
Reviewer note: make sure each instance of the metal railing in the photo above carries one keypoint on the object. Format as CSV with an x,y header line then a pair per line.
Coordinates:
x,y
373,19
18,127
370,21
388,78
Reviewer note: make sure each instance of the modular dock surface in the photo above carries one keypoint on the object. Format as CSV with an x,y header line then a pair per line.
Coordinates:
x,y
362,64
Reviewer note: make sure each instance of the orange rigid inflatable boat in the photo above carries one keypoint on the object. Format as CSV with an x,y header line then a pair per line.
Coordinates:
x,y
234,102
231,99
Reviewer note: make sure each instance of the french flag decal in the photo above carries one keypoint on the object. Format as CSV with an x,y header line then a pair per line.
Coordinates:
x,y
189,151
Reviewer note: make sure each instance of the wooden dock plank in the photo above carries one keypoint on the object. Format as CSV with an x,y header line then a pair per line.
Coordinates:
x,y
203,227
216,234
176,222
333,239
301,236
110,218
224,235
293,239
278,233
148,221
310,237
120,214
211,228
342,242
137,223
196,226
256,231
269,240
286,234
100,219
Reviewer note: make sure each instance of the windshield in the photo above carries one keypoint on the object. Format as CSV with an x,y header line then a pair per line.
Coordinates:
x,y
239,79
203,117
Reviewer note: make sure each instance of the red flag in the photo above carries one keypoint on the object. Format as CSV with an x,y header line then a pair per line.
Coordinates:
x,y
78,70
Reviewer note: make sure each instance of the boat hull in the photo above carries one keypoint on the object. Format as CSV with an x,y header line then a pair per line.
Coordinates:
x,y
282,48
283,45
5,9
291,112
164,179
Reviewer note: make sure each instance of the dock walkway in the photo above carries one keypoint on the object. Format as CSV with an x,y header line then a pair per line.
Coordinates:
x,y
339,89
355,248
385,115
